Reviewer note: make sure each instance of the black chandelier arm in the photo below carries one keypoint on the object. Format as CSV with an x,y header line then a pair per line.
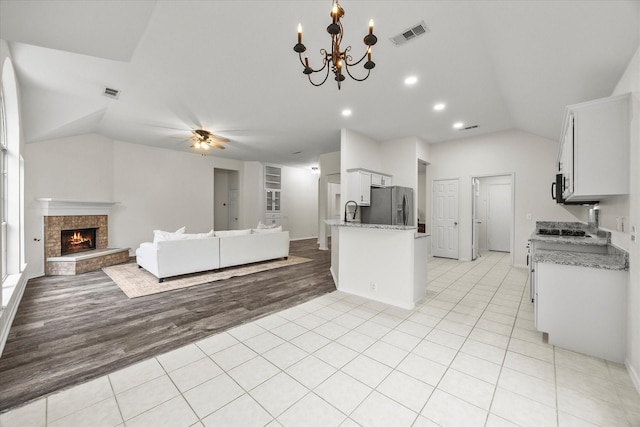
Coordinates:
x,y
357,79
312,70
349,57
326,76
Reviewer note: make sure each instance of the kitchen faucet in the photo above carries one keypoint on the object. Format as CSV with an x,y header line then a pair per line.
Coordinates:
x,y
354,211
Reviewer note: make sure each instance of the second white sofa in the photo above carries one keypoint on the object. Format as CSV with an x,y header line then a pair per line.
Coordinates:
x,y
168,258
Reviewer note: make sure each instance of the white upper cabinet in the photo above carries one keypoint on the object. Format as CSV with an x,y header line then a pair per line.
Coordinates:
x,y
594,151
380,180
359,187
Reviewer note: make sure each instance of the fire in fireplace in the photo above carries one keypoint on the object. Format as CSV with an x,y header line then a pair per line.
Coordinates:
x,y
72,241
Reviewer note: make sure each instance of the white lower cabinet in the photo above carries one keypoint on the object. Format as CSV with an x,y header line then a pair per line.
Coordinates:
x,y
582,309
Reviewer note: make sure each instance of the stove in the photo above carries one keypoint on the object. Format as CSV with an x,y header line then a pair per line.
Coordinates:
x,y
561,232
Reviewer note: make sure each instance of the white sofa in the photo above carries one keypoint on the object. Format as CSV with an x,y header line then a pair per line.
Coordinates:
x,y
173,257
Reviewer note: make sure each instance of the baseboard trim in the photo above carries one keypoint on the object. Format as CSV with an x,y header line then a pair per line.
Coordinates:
x,y
9,312
635,377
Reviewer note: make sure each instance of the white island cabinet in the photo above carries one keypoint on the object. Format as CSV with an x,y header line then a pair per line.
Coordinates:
x,y
386,263
582,309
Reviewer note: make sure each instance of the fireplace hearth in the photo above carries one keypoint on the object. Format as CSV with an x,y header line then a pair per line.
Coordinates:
x,y
66,235
78,240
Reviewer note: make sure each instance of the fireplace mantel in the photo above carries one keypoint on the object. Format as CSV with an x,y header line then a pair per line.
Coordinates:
x,y
61,207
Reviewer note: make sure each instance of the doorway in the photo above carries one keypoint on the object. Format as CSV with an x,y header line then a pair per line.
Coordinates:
x,y
445,219
423,199
492,214
225,199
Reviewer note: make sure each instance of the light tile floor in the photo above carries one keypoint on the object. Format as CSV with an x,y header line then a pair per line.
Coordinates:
x,y
467,356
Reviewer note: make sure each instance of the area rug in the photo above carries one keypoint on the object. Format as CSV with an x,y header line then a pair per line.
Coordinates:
x,y
137,282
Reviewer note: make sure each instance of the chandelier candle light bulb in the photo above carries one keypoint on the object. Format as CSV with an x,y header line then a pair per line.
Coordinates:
x,y
336,60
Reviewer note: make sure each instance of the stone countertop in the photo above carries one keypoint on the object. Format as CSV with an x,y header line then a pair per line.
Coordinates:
x,y
592,239
615,259
594,236
355,224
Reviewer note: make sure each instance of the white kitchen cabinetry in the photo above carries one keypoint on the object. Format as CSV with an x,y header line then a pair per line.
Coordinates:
x,y
273,195
380,180
359,187
582,309
594,151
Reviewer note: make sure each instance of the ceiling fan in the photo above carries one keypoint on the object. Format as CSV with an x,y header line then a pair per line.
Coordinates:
x,y
204,140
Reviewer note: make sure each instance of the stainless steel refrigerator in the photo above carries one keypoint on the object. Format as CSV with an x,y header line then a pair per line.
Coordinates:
x,y
389,205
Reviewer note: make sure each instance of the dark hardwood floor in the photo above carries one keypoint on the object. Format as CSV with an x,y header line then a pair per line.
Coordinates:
x,y
70,329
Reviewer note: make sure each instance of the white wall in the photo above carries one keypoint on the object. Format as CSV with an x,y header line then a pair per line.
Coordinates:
x,y
531,158
329,165
358,151
630,82
399,159
251,194
299,202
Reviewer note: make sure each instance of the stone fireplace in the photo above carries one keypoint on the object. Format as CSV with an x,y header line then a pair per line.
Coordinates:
x,y
76,237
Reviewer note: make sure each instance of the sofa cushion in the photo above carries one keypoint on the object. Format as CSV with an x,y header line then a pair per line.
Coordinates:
x,y
225,233
185,236
160,235
277,229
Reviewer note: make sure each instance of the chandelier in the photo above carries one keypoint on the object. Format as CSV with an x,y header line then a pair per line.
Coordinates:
x,y
337,60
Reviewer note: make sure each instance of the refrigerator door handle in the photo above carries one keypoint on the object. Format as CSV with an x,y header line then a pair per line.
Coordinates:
x,y
404,209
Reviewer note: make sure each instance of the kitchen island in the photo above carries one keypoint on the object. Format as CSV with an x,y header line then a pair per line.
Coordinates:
x,y
386,263
579,288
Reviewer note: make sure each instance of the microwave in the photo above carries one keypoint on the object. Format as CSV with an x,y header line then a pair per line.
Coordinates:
x,y
557,188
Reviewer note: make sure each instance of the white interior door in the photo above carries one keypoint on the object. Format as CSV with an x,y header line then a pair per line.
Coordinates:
x,y
233,209
476,218
498,218
445,218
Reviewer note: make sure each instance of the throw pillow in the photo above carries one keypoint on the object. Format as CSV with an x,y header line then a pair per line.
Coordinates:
x,y
159,235
262,226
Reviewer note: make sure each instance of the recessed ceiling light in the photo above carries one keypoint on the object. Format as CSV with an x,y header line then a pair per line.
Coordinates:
x,y
411,80
346,112
439,106
458,125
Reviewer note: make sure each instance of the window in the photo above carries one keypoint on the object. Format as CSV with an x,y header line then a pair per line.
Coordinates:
x,y
3,189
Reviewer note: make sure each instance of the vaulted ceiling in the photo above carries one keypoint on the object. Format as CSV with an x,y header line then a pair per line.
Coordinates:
x,y
229,66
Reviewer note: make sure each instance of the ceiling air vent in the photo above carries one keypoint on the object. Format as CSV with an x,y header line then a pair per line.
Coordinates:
x,y
410,33
469,127
111,93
